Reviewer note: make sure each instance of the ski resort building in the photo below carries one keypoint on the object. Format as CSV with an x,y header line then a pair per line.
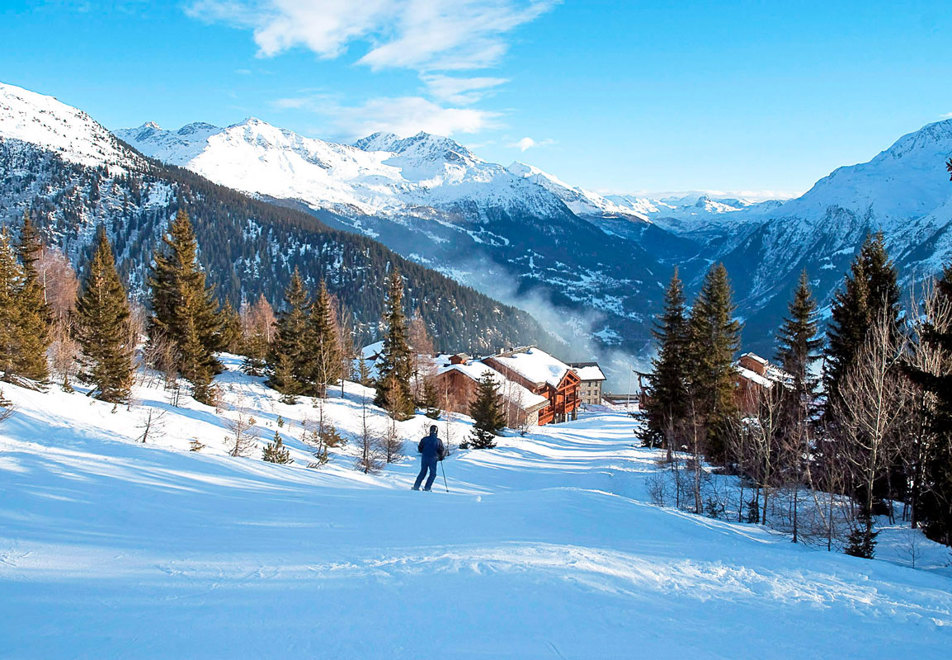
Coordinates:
x,y
591,379
543,375
755,377
456,378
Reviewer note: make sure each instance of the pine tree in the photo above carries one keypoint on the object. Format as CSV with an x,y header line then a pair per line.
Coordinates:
x,y
11,280
798,343
870,287
184,311
287,360
257,329
276,452
431,400
664,409
487,413
798,348
103,327
230,326
870,293
322,345
395,366
714,339
934,507
35,317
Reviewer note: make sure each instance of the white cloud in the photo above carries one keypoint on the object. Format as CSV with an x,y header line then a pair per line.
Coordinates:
x,y
462,91
527,143
947,115
405,115
424,35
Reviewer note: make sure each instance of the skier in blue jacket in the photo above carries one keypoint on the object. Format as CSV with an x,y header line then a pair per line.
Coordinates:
x,y
432,451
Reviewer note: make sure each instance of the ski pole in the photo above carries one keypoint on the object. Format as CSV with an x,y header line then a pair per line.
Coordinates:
x,y
443,470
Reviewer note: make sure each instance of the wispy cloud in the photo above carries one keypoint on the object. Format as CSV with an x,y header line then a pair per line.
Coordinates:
x,y
424,35
438,39
405,115
527,143
461,91
947,115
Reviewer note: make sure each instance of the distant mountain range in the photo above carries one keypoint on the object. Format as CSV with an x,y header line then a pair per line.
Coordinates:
x,y
591,267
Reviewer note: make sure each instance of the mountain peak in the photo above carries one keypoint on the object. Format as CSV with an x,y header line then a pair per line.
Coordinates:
x,y
379,141
935,137
69,132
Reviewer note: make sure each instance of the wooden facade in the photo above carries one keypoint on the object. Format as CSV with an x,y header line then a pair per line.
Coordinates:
x,y
457,390
564,400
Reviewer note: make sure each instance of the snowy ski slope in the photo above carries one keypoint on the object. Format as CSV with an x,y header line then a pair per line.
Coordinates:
x,y
546,547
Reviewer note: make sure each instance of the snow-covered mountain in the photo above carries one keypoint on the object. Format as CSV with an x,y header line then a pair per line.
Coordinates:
x,y
590,264
904,192
73,175
517,230
514,233
380,174
61,129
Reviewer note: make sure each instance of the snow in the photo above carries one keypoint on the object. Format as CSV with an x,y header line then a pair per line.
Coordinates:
x,y
591,372
754,377
535,365
380,174
62,129
544,547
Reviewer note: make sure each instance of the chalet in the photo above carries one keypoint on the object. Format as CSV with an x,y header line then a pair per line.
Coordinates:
x,y
456,379
542,375
754,377
591,379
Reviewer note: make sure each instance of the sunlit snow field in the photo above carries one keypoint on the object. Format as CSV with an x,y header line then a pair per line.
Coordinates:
x,y
544,547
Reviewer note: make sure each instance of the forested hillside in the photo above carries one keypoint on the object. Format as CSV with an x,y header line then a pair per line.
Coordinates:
x,y
247,246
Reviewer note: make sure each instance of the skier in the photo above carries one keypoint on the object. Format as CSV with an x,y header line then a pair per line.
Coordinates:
x,y
432,451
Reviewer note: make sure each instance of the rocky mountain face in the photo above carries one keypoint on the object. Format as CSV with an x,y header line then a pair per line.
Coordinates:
x,y
72,175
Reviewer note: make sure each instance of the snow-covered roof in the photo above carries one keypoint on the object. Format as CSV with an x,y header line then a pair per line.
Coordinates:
x,y
508,389
755,358
754,377
588,371
535,365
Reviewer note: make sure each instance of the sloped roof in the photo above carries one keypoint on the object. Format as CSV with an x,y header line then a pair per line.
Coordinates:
x,y
508,389
535,365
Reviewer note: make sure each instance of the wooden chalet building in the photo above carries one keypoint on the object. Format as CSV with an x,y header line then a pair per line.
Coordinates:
x,y
456,378
543,375
755,377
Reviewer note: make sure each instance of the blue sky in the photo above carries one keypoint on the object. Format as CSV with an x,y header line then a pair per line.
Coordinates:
x,y
621,96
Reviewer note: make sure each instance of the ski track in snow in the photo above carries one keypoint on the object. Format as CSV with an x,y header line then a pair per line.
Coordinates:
x,y
545,547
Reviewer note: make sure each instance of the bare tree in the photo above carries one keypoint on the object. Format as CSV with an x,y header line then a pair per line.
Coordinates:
x,y
242,433
60,288
755,445
151,424
422,350
6,408
696,435
369,458
869,411
348,345
391,443
257,322
933,314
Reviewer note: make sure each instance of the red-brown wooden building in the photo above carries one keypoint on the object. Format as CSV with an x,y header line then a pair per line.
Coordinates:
x,y
544,375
